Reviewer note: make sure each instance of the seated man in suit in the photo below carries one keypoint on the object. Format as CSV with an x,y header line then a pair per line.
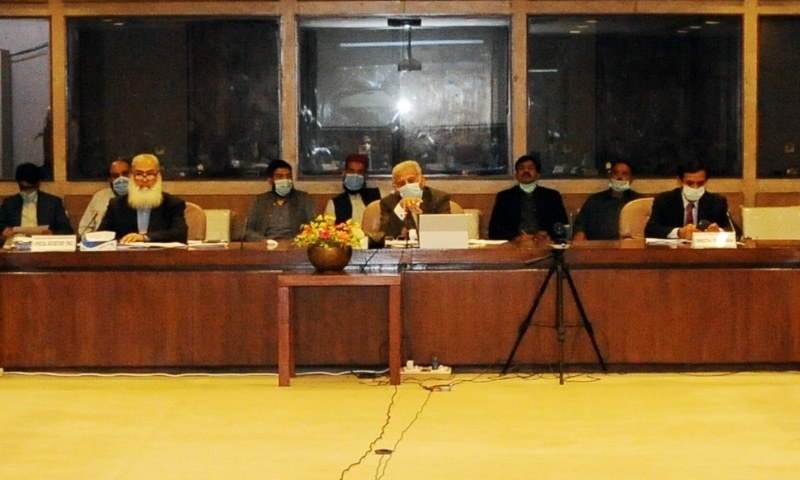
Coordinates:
x,y
32,207
356,196
279,212
146,213
599,216
527,211
118,181
677,213
410,198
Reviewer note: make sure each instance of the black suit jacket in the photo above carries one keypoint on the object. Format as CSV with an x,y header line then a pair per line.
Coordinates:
x,y
504,223
167,221
668,212
344,209
49,211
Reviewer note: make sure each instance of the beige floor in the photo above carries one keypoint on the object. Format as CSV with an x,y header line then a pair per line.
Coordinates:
x,y
638,426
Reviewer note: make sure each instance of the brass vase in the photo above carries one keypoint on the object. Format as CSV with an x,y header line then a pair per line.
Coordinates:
x,y
329,259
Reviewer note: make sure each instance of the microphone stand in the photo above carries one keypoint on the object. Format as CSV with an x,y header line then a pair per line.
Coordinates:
x,y
244,232
560,269
89,226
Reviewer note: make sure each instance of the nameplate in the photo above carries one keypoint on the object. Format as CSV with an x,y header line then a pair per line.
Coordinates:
x,y
53,243
714,240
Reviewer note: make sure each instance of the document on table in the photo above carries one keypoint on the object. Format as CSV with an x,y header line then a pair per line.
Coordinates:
x,y
148,245
480,242
665,241
200,245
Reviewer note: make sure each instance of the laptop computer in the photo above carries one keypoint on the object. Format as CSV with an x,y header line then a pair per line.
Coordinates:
x,y
444,230
771,223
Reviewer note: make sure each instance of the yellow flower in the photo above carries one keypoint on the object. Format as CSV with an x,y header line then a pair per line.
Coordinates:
x,y
324,230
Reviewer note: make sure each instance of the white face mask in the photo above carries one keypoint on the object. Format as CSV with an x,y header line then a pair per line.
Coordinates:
x,y
528,187
619,185
410,190
693,194
283,187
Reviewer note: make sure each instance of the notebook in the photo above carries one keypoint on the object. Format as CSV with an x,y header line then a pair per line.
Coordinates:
x,y
771,223
444,230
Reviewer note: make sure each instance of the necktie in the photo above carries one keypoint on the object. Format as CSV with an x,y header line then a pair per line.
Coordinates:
x,y
689,213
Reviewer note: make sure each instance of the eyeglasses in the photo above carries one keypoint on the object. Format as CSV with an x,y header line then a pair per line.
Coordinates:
x,y
148,175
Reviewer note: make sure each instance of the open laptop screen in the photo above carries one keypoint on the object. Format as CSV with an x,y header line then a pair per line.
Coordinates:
x,y
444,230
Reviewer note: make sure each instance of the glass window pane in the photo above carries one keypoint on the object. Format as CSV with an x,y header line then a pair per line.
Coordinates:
x,y
25,122
200,93
437,93
778,97
651,90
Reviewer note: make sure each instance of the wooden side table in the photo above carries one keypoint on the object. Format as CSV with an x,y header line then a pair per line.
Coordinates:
x,y
286,281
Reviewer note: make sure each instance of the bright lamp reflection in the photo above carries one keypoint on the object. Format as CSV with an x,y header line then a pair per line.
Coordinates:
x,y
403,106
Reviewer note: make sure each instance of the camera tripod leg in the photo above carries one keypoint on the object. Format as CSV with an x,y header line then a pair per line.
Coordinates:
x,y
523,327
560,268
587,325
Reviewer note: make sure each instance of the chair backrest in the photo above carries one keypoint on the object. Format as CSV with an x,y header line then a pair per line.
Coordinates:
x,y
371,221
218,224
196,221
771,223
633,217
474,222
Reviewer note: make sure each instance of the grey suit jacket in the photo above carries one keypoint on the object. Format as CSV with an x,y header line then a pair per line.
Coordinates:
x,y
261,223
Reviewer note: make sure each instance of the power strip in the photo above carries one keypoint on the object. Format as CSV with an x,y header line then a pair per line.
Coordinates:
x,y
420,370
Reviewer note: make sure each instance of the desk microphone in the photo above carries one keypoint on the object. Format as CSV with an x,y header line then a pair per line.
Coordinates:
x,y
363,267
88,225
244,229
408,225
733,225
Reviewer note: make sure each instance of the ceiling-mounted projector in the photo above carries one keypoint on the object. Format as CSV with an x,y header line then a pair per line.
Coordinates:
x,y
408,63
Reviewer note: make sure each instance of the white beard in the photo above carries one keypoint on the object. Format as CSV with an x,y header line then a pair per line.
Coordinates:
x,y
147,197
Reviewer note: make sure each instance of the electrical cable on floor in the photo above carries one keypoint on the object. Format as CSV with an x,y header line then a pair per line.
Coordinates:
x,y
380,473
376,439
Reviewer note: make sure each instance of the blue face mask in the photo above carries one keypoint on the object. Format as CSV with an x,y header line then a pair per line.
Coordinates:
x,y
283,187
120,186
29,197
353,182
410,190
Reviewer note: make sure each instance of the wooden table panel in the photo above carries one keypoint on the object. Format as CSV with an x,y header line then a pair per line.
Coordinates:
x,y
196,309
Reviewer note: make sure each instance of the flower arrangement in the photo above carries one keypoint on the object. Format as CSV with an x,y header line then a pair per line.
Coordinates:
x,y
325,232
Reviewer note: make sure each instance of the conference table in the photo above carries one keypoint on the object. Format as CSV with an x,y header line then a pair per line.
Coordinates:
x,y
656,308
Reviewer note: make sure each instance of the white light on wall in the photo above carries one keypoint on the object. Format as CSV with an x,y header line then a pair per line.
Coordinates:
x,y
403,106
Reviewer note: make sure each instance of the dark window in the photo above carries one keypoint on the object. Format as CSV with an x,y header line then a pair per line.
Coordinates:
x,y
649,89
778,97
201,94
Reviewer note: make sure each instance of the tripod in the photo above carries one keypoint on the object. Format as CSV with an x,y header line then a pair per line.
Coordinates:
x,y
559,267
